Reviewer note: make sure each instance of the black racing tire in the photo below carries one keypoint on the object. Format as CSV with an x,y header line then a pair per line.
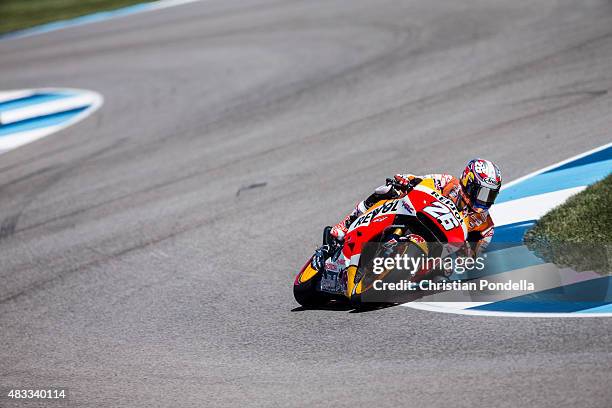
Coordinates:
x,y
306,293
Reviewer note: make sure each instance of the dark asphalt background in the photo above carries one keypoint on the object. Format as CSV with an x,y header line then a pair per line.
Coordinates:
x,y
134,274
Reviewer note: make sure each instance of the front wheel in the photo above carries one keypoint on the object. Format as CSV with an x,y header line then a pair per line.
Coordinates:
x,y
305,287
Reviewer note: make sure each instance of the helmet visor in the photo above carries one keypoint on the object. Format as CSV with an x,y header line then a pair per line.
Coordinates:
x,y
485,196
481,196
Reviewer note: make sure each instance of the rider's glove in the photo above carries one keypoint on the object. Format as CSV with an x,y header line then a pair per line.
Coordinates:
x,y
403,179
403,183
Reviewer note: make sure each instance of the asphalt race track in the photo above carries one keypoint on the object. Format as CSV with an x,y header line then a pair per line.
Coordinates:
x,y
139,269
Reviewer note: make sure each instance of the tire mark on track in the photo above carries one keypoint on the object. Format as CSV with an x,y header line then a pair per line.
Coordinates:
x,y
587,96
592,93
44,155
229,211
9,224
29,176
7,227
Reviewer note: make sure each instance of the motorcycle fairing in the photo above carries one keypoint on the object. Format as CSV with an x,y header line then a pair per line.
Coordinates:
x,y
422,201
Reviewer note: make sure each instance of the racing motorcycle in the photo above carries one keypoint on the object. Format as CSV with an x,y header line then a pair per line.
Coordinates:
x,y
419,222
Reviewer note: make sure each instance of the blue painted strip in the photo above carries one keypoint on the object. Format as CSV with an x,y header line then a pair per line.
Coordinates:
x,y
512,233
78,21
506,252
558,180
33,100
39,122
601,155
591,294
600,309
509,257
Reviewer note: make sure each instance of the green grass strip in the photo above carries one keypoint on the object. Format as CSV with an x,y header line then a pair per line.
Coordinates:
x,y
578,233
19,14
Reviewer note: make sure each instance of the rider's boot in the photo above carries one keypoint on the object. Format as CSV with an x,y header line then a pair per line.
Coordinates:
x,y
325,250
339,230
333,236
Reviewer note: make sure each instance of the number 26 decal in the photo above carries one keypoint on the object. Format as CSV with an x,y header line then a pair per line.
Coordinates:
x,y
443,214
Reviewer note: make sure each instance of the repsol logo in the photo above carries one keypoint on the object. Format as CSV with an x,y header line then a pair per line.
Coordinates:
x,y
447,202
383,209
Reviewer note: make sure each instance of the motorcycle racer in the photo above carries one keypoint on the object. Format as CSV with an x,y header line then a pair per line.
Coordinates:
x,y
473,194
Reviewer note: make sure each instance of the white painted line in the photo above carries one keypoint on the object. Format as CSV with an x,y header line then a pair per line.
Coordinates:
x,y
441,307
530,208
552,166
15,140
12,95
46,108
163,4
543,276
454,305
